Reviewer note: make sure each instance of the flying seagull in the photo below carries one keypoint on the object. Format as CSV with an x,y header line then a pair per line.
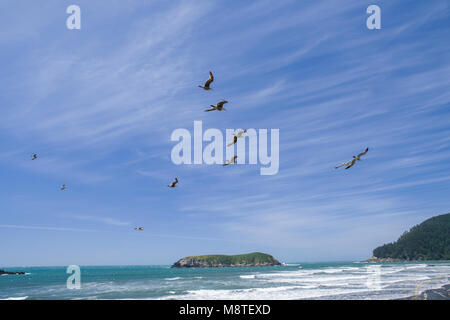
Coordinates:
x,y
350,164
218,107
34,156
208,82
232,160
63,187
173,184
139,229
237,136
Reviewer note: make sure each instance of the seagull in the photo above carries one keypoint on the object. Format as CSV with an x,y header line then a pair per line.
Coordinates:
x,y
173,184
208,82
139,229
63,187
236,136
218,107
34,157
232,160
350,164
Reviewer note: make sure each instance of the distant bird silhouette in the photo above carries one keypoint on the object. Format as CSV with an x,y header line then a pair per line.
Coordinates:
x,y
174,183
351,163
232,160
218,107
208,82
34,156
139,229
237,136
63,187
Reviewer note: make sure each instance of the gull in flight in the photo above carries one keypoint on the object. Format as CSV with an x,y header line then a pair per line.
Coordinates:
x,y
173,184
63,187
218,107
208,82
34,157
232,160
139,229
350,164
237,136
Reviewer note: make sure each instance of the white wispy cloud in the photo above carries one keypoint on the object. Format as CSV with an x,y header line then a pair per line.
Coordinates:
x,y
101,219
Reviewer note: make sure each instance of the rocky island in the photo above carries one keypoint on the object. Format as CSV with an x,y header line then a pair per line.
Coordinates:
x,y
429,240
2,272
255,259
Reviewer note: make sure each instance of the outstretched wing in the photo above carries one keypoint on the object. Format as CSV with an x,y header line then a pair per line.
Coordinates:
x,y
233,142
363,153
210,80
351,164
341,165
221,103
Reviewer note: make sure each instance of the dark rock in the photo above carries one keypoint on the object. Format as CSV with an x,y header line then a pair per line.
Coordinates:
x,y
432,294
385,260
10,272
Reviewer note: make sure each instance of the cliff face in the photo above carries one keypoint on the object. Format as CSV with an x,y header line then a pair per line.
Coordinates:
x,y
219,261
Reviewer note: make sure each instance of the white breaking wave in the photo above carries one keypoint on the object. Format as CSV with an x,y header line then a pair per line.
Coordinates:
x,y
284,292
172,279
392,281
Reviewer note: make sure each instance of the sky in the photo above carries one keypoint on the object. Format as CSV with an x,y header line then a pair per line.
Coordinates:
x,y
98,105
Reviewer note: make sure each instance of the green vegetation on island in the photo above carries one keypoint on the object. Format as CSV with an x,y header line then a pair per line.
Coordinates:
x,y
429,240
214,261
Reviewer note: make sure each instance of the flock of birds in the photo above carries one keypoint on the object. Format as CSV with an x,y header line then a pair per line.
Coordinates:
x,y
236,136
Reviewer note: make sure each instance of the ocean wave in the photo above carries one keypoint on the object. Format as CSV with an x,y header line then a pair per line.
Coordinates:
x,y
283,292
16,298
247,276
173,279
417,266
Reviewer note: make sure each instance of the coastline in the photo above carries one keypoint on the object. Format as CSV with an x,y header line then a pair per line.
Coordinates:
x,y
391,260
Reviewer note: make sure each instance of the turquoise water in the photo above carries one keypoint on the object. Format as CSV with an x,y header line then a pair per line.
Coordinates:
x,y
334,280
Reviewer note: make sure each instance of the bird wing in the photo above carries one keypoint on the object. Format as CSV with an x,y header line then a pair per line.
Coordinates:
x,y
351,164
233,142
240,133
210,80
221,103
363,153
341,165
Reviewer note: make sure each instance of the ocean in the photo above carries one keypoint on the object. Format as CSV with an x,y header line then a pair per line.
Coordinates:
x,y
333,280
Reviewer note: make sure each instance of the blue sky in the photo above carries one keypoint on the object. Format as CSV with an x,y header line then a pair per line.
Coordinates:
x,y
98,105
